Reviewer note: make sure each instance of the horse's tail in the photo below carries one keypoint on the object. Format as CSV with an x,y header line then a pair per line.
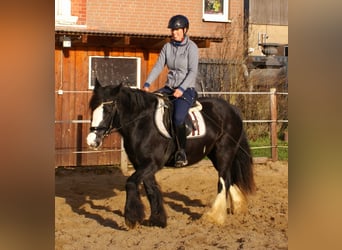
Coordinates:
x,y
242,169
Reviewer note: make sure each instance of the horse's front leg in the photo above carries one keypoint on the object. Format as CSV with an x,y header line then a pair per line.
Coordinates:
x,y
134,208
158,215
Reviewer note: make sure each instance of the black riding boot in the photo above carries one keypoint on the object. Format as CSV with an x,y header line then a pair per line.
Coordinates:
x,y
180,156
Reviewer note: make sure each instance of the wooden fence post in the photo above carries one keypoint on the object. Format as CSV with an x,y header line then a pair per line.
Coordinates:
x,y
274,139
79,134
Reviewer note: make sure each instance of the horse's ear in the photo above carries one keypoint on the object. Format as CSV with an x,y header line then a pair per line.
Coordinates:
x,y
114,89
118,87
97,85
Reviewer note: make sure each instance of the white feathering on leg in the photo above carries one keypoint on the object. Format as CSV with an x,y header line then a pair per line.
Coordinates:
x,y
218,211
238,201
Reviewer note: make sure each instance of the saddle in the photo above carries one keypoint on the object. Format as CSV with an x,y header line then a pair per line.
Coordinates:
x,y
194,122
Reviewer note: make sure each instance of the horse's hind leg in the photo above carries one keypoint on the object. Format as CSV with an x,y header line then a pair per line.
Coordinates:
x,y
223,161
134,209
237,201
158,215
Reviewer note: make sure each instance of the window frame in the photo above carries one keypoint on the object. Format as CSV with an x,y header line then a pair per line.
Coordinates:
x,y
216,16
91,77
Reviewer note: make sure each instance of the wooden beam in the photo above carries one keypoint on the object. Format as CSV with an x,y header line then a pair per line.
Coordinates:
x,y
146,55
125,40
84,38
160,43
149,43
203,43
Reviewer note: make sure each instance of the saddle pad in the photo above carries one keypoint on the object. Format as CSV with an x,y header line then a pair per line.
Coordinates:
x,y
196,117
198,122
158,118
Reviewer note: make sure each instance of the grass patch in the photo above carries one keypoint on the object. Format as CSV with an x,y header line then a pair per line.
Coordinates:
x,y
267,152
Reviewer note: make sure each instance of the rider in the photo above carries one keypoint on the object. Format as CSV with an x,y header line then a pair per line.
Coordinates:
x,y
180,55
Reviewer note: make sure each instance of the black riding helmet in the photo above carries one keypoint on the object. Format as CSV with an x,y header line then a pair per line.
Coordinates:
x,y
178,22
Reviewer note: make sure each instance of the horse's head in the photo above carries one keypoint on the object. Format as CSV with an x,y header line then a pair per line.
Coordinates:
x,y
103,105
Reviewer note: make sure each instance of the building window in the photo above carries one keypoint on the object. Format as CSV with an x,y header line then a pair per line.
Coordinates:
x,y
114,70
63,13
215,10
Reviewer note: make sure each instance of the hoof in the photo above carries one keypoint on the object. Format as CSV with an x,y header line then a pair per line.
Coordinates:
x,y
130,224
156,223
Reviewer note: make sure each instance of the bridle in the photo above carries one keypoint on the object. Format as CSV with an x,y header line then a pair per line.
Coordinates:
x,y
107,129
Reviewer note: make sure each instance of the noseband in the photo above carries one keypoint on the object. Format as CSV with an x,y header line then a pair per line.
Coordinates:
x,y
108,128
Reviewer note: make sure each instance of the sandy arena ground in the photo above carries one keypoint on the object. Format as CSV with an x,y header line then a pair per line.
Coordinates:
x,y
89,205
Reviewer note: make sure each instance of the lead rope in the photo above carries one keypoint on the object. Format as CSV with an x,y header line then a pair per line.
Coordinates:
x,y
129,122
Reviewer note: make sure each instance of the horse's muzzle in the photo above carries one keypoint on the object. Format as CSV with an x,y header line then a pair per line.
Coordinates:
x,y
93,141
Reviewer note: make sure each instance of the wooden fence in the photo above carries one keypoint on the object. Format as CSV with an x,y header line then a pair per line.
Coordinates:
x,y
273,121
119,152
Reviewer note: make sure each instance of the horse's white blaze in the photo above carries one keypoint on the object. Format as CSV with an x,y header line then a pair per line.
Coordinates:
x,y
238,201
218,211
97,116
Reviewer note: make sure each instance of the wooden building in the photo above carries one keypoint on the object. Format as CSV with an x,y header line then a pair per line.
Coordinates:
x,y
267,22
117,42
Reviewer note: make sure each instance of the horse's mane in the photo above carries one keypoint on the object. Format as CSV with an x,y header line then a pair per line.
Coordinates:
x,y
95,101
131,101
136,100
102,94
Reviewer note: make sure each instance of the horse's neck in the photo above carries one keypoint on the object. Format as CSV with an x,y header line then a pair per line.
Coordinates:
x,y
135,104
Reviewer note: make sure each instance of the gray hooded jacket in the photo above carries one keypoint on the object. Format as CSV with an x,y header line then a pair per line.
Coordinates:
x,y
181,60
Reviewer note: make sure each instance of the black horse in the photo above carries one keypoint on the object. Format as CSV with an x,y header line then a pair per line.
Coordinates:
x,y
131,112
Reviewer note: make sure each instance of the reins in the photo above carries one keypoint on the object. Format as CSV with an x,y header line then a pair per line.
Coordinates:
x,y
225,132
111,129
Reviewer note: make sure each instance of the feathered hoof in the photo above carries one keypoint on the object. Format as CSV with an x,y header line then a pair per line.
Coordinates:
x,y
212,217
239,208
131,224
238,201
156,223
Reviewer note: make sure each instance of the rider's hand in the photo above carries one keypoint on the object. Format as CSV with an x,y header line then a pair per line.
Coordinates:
x,y
146,87
178,93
